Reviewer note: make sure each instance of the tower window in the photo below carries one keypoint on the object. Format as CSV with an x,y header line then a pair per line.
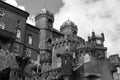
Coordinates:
x,y
49,23
49,42
30,39
28,53
98,41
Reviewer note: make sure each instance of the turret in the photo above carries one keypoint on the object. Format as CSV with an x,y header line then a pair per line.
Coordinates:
x,y
66,64
59,46
97,42
44,21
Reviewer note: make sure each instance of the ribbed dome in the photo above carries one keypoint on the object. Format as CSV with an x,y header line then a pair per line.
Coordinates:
x,y
68,23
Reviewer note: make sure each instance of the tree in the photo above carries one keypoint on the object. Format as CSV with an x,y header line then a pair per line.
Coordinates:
x,y
22,64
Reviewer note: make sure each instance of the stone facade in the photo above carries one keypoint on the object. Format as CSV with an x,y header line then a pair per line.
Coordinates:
x,y
43,53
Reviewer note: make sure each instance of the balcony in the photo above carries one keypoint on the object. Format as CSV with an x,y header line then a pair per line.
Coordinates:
x,y
4,34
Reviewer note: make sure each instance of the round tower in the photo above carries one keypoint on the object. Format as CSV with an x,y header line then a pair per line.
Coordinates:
x,y
44,21
66,64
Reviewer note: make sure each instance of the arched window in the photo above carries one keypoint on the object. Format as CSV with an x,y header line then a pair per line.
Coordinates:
x,y
18,33
2,25
30,39
92,77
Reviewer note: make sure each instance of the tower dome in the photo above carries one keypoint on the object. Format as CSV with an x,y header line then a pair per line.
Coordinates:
x,y
68,27
68,23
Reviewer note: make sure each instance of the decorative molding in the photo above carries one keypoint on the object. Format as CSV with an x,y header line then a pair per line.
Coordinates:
x,y
13,9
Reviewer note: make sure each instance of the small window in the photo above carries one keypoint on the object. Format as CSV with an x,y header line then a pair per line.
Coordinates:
x,y
28,53
73,54
30,39
49,42
87,58
2,25
42,57
15,48
65,60
18,22
18,33
2,13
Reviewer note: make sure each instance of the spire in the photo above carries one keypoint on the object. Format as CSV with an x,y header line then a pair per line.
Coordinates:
x,y
44,7
68,19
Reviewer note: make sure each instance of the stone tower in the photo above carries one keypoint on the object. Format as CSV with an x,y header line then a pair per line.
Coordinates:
x,y
70,39
97,42
91,49
44,21
66,65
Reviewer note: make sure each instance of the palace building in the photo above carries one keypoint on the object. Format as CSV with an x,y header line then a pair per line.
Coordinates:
x,y
59,54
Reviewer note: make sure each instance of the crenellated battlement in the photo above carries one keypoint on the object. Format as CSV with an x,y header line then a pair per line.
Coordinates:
x,y
95,37
85,45
65,41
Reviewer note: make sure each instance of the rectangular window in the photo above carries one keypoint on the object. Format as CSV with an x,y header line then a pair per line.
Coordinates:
x,y
30,39
28,52
18,34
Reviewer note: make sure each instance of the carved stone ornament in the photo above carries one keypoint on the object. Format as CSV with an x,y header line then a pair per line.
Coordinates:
x,y
2,13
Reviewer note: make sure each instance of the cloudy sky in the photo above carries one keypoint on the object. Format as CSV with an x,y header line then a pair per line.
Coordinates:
x,y
88,15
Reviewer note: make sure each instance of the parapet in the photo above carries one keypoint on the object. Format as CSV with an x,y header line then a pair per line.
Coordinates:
x,y
44,12
115,59
96,36
86,45
64,41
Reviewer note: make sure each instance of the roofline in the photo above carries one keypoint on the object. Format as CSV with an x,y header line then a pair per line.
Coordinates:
x,y
32,26
13,9
57,31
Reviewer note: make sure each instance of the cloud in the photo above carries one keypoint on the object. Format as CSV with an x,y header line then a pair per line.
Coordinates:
x,y
14,3
31,20
98,15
